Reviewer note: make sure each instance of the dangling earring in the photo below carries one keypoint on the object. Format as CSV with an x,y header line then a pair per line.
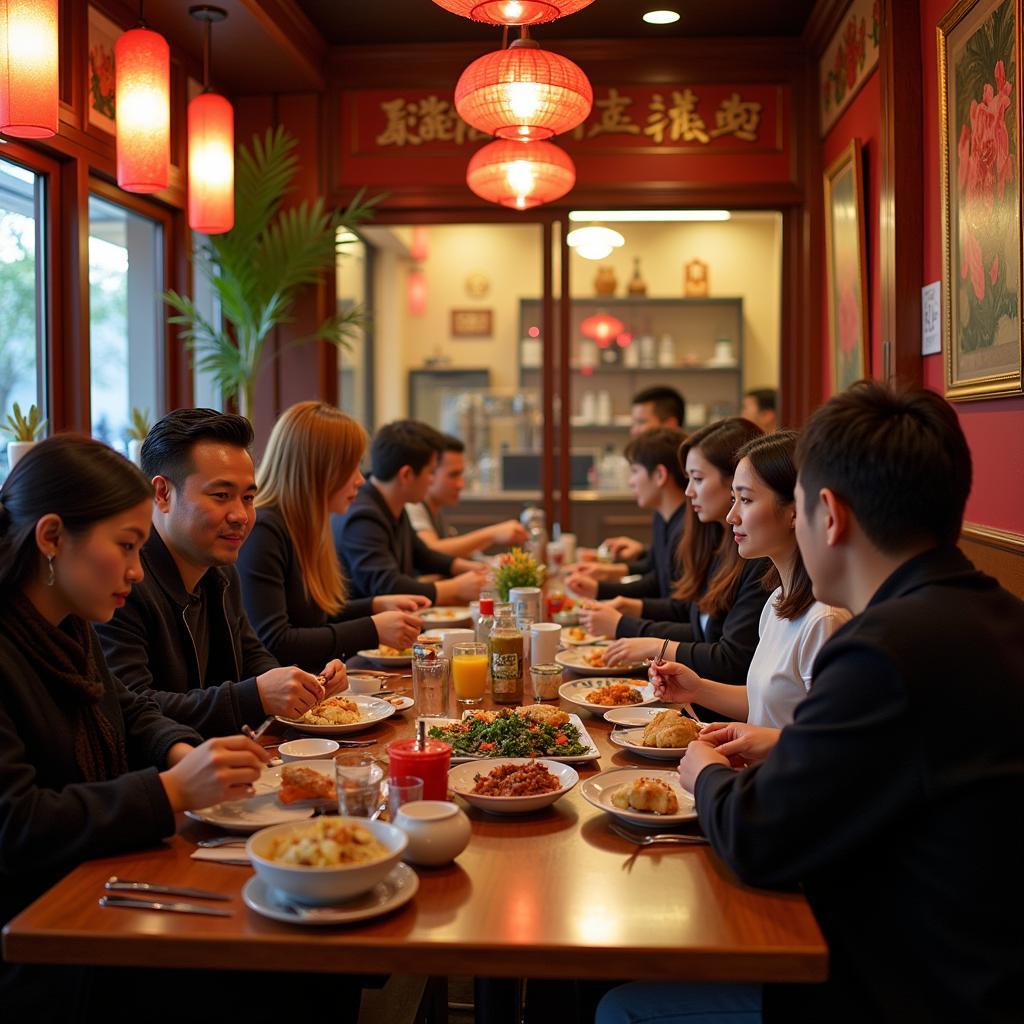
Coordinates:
x,y
51,579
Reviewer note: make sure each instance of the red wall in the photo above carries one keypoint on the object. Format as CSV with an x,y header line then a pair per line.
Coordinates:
x,y
861,120
994,429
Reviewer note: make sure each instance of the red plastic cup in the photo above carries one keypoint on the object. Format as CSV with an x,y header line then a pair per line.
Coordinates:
x,y
430,765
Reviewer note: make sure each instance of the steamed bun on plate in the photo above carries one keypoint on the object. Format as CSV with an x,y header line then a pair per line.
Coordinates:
x,y
670,729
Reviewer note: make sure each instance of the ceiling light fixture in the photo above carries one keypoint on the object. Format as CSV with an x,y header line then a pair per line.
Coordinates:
x,y
649,216
594,242
661,17
520,174
513,12
142,105
211,147
28,68
523,93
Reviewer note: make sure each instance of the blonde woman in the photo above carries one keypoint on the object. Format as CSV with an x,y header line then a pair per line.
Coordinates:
x,y
292,583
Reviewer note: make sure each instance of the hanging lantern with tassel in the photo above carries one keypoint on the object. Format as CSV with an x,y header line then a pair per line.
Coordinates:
x,y
520,174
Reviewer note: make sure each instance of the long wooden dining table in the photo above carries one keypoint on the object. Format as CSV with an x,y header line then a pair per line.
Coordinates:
x,y
553,894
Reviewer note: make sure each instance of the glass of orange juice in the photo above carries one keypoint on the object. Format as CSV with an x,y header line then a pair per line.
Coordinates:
x,y
469,672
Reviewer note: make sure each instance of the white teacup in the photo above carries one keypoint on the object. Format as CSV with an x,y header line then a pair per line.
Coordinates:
x,y
455,636
438,831
545,638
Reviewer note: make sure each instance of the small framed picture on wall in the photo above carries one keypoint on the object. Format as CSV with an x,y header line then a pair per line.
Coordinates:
x,y
103,34
847,278
472,323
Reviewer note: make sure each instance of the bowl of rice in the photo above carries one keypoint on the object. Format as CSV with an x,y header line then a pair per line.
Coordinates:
x,y
326,860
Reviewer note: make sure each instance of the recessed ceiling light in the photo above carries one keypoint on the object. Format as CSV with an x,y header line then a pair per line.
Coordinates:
x,y
661,17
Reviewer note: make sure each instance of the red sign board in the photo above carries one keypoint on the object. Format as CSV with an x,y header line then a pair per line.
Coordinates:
x,y
695,133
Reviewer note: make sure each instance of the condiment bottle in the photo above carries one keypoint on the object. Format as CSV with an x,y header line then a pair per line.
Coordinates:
x,y
485,620
506,655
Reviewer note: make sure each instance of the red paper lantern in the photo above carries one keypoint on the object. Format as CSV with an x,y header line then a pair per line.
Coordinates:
x,y
142,60
520,174
420,248
28,68
416,292
524,93
513,12
211,164
602,327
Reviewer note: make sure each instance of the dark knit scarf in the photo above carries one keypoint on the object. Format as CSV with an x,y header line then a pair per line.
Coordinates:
x,y
66,659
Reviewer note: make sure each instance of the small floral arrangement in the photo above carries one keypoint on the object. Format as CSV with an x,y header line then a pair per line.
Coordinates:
x,y
517,569
23,427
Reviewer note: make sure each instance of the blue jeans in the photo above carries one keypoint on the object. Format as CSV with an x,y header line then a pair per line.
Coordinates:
x,y
681,1003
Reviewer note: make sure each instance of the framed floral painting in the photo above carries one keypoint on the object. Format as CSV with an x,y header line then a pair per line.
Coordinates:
x,y
103,35
845,261
979,118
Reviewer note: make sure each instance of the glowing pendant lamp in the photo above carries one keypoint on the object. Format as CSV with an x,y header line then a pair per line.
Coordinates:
x,y
28,68
524,93
416,292
594,242
513,12
520,174
211,148
602,327
142,68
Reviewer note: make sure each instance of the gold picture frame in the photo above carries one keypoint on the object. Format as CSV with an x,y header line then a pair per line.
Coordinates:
x,y
980,138
99,70
846,264
472,323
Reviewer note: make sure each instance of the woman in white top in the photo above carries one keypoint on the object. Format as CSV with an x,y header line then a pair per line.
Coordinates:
x,y
793,625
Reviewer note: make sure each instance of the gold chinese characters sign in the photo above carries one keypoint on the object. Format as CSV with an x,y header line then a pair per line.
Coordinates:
x,y
725,125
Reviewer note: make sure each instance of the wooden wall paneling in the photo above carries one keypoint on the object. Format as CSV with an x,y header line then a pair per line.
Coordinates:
x,y
901,210
564,379
73,42
1000,553
549,362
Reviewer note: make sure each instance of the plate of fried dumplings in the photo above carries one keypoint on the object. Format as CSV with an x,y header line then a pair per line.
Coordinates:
x,y
641,797
664,738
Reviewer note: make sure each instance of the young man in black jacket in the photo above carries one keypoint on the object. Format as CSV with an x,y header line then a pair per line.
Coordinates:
x,y
182,635
894,797
376,543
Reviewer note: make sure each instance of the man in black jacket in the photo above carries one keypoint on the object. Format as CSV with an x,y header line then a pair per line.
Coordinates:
x,y
183,635
376,543
894,797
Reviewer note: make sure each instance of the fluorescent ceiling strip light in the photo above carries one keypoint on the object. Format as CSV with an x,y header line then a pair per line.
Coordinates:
x,y
638,216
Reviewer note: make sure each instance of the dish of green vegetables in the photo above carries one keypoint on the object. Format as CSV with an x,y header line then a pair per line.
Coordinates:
x,y
511,735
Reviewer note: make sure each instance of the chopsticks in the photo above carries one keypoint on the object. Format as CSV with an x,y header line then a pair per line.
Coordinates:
x,y
255,734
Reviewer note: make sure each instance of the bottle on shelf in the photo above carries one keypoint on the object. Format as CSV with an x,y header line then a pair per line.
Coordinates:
x,y
506,660
667,351
487,471
612,471
637,285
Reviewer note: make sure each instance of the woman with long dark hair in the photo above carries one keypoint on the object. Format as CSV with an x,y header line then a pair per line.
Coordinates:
x,y
711,620
87,768
793,626
293,587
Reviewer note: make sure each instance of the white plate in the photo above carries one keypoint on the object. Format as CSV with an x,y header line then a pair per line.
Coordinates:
x,y
401,703
374,656
635,714
592,754
398,888
462,779
259,811
632,739
575,659
446,615
371,711
575,692
598,790
587,640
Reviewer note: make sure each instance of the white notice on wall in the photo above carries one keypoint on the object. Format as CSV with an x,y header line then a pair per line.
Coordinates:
x,y
931,318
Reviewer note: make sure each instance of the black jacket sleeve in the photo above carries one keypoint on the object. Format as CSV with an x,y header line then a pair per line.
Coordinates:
x,y
646,586
263,567
357,608
366,548
662,617
428,561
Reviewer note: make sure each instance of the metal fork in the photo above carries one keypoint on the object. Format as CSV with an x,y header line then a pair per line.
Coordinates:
x,y
663,837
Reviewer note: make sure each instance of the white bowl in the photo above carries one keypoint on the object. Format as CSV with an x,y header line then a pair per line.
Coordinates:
x,y
324,886
575,692
365,684
308,749
437,830
462,779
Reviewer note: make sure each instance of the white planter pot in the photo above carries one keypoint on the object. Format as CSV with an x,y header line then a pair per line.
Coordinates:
x,y
16,450
135,451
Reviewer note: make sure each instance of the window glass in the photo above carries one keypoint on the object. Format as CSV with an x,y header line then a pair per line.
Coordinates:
x,y
354,371
22,327
125,337
206,393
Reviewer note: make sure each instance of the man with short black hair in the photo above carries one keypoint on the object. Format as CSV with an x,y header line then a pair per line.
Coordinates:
x,y
375,540
658,483
889,800
759,408
183,636
657,407
427,516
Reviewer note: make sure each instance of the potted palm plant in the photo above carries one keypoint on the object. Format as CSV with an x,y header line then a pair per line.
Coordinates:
x,y
138,428
24,431
258,268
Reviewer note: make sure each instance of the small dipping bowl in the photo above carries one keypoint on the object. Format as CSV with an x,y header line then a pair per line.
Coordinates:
x,y
365,684
308,749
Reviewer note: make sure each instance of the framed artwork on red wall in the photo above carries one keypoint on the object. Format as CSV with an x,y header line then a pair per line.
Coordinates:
x,y
979,123
846,265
